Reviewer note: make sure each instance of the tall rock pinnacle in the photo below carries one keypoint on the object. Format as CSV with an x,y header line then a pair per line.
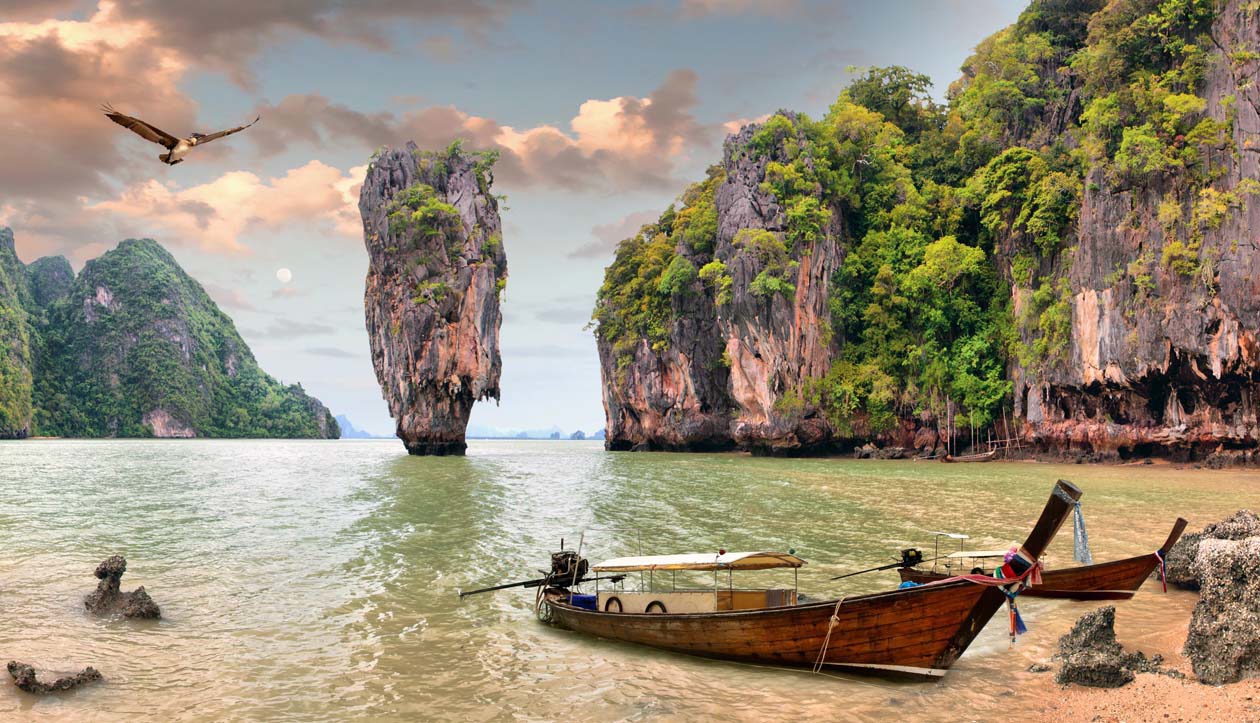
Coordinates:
x,y
435,273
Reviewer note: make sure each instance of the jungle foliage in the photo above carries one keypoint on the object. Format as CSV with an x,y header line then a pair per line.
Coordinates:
x,y
134,334
941,209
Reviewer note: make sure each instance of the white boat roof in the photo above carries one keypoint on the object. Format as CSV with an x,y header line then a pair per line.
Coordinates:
x,y
764,560
979,553
951,535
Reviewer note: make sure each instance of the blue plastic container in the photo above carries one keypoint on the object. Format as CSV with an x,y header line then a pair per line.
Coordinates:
x,y
587,602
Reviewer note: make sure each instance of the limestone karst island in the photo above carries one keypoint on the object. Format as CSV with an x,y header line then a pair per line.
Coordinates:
x,y
858,361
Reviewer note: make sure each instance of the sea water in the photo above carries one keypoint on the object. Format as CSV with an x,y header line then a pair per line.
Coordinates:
x,y
314,580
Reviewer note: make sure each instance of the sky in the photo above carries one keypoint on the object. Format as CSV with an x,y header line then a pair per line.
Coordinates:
x,y
602,112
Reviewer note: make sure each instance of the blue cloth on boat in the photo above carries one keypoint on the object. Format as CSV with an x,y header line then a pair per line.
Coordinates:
x,y
586,602
907,583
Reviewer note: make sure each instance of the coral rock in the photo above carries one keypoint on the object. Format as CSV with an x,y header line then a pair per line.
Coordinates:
x,y
25,678
1224,638
109,598
1091,656
1181,558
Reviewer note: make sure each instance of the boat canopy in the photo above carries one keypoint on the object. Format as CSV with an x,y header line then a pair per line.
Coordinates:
x,y
701,561
979,553
951,535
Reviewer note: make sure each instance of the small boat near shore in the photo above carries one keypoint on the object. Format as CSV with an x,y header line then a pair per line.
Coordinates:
x,y
981,457
915,633
1115,580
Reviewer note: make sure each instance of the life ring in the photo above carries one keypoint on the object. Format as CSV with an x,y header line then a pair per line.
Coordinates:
x,y
660,607
609,603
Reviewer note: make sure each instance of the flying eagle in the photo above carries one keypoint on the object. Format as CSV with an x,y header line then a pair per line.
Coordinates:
x,y
176,148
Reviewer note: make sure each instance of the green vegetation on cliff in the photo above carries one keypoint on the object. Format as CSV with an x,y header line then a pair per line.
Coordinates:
x,y
134,347
15,343
948,214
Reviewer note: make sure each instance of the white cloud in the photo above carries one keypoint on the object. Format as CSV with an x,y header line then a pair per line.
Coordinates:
x,y
214,215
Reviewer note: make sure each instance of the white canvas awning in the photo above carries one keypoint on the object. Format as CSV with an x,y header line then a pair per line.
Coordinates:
x,y
979,553
701,561
951,535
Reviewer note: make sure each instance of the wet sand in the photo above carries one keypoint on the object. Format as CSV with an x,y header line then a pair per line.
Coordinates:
x,y
1151,696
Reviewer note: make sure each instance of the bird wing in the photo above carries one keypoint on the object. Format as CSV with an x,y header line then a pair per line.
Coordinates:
x,y
140,128
216,136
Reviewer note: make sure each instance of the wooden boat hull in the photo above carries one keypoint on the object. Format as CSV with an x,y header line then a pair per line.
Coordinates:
x,y
916,632
899,634
1118,580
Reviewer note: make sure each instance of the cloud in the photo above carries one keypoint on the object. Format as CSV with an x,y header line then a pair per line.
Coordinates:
x,y
286,329
567,314
214,215
768,8
608,235
735,125
331,351
288,292
53,74
231,298
229,34
619,143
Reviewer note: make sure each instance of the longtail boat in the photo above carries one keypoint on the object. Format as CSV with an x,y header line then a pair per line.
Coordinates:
x,y
979,457
916,632
1116,580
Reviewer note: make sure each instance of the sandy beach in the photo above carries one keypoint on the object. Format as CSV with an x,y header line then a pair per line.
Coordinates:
x,y
1154,696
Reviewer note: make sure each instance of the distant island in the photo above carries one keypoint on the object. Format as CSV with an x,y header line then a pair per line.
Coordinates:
x,y
548,433
349,431
132,347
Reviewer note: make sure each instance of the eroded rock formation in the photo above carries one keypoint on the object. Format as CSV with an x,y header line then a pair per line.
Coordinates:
x,y
109,599
1224,638
1089,654
1181,565
25,678
436,271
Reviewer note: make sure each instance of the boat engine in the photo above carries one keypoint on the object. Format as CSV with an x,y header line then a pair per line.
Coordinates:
x,y
911,557
566,567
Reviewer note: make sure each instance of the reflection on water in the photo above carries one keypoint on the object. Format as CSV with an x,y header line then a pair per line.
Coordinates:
x,y
318,580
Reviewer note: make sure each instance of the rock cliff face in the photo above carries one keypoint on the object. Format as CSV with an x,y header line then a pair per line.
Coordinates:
x,y
1163,359
436,271
134,347
1065,251
715,380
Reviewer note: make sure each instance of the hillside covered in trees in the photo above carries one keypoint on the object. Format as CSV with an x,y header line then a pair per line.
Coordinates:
x,y
132,347
1065,243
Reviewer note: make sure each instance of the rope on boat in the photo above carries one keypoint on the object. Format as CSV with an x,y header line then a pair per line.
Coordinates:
x,y
1020,571
831,625
1163,570
1080,538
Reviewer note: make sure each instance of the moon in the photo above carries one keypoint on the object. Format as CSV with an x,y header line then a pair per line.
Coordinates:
x,y
284,276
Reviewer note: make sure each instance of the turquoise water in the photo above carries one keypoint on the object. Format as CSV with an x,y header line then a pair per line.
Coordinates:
x,y
304,580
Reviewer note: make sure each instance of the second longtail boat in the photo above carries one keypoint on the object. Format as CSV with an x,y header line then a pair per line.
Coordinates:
x,y
1116,580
